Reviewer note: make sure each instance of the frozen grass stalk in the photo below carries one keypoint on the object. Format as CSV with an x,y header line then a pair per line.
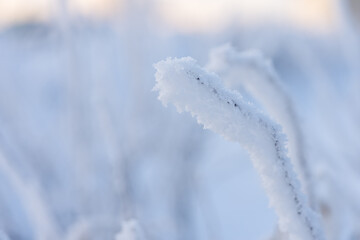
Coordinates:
x,y
252,71
193,89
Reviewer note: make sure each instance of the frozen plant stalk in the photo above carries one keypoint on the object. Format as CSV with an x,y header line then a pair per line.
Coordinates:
x,y
191,88
252,71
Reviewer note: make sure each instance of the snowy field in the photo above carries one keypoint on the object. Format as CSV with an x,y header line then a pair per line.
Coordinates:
x,y
88,152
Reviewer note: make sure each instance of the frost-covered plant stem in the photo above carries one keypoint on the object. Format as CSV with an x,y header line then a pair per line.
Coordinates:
x,y
252,71
190,88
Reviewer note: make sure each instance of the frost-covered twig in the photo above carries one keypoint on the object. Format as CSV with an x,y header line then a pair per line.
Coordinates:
x,y
192,89
251,70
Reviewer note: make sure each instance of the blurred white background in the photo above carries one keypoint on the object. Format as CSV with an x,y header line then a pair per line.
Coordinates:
x,y
86,147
